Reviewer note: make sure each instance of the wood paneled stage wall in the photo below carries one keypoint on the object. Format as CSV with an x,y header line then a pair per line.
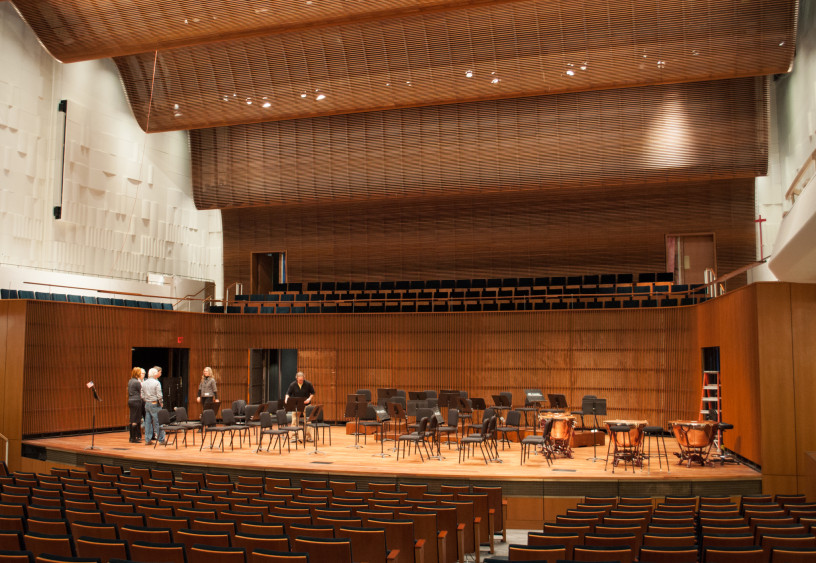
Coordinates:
x,y
645,362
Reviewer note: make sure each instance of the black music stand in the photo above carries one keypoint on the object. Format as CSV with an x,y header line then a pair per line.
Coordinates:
x,y
95,399
558,402
465,412
313,419
478,404
384,395
417,395
397,413
352,412
594,406
382,417
297,404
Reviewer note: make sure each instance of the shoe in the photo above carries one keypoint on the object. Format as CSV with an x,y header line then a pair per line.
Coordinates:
x,y
163,442
150,443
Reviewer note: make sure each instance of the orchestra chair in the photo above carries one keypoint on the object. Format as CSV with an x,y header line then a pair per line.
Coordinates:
x,y
16,556
512,423
101,548
232,425
208,553
530,407
47,543
183,421
151,535
170,429
314,420
481,439
550,554
743,554
336,550
793,555
208,426
417,438
149,551
283,424
267,428
450,427
676,554
269,556
369,544
622,554
534,440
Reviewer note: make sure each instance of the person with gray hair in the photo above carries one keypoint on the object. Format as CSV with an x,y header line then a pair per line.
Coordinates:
x,y
153,399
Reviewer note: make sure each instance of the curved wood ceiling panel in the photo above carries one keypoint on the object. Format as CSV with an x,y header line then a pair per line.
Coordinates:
x,y
701,130
495,51
75,30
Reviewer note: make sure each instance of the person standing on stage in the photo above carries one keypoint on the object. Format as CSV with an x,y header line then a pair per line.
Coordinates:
x,y
300,387
207,389
135,404
152,396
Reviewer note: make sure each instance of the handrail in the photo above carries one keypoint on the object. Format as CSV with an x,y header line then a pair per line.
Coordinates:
x,y
808,170
239,288
5,459
190,296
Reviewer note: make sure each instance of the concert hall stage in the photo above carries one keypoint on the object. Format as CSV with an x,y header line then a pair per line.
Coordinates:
x,y
341,461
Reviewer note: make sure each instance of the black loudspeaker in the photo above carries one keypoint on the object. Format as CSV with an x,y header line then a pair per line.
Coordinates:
x,y
380,413
57,212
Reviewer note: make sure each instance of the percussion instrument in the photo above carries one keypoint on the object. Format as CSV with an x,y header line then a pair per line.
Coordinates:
x,y
695,438
563,427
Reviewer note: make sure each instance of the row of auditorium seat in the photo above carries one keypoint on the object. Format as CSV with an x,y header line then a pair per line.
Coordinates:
x,y
86,299
595,280
386,306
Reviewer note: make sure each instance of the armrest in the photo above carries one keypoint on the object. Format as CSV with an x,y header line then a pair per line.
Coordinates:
x,y
419,551
460,541
504,520
393,556
491,528
440,545
477,537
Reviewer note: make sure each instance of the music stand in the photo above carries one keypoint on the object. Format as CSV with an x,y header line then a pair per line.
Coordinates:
x,y
313,417
557,401
417,395
353,411
465,412
382,416
478,404
397,413
384,395
94,399
594,406
297,404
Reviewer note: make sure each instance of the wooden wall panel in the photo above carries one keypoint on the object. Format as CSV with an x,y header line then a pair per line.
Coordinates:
x,y
12,361
638,359
803,329
731,323
577,231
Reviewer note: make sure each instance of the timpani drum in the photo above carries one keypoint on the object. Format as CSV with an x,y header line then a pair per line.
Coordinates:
x,y
695,438
561,432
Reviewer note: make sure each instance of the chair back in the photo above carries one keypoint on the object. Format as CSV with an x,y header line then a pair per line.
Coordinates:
x,y
164,417
453,417
238,406
228,416
181,414
513,419
208,417
266,420
281,417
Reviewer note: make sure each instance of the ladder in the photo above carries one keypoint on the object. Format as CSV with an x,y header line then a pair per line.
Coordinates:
x,y
711,402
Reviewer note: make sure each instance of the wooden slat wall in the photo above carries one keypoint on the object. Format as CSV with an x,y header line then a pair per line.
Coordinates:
x,y
672,133
559,232
639,359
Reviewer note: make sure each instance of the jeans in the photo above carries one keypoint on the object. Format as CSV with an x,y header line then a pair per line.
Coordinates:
x,y
152,418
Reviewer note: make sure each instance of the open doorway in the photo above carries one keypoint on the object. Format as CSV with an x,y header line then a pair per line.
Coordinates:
x,y
268,270
689,256
270,373
175,364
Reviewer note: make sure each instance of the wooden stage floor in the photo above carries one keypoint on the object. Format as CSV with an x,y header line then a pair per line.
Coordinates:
x,y
341,461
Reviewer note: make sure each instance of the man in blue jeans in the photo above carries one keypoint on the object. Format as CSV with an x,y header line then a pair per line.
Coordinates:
x,y
153,399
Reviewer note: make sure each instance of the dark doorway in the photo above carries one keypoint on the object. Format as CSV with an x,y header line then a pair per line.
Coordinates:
x,y
270,373
268,270
175,368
